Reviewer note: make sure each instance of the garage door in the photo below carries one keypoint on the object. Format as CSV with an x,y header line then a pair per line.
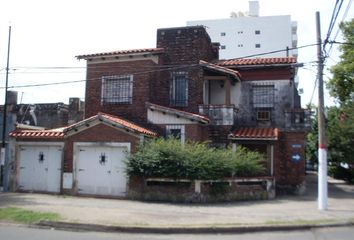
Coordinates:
x,y
40,168
101,171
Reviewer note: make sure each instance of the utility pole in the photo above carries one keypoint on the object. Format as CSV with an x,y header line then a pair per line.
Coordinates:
x,y
2,154
322,145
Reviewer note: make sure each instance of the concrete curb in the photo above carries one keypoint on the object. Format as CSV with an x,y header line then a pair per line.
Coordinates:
x,y
183,230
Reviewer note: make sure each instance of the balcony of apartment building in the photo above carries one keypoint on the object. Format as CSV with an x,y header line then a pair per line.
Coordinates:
x,y
298,119
217,104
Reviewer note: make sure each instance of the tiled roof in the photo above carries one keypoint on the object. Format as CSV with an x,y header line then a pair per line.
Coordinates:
x,y
221,69
61,132
52,133
257,61
188,115
122,52
127,124
249,133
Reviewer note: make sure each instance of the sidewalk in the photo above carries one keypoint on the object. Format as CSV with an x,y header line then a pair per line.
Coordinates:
x,y
285,210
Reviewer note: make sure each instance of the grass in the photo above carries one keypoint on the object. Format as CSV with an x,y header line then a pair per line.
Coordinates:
x,y
26,216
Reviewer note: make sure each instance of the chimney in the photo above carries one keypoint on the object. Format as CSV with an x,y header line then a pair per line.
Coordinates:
x,y
253,8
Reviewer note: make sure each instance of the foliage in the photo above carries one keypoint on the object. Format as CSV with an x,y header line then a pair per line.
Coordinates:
x,y
311,147
339,133
341,86
26,216
171,159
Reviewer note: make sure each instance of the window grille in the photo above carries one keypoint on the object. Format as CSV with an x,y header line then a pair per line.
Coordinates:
x,y
117,89
263,96
176,131
179,90
263,115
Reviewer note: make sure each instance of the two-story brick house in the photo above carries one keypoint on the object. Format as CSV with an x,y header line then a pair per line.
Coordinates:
x,y
181,88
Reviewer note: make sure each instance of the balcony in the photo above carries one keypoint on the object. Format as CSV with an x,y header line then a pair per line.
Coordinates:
x,y
220,114
298,119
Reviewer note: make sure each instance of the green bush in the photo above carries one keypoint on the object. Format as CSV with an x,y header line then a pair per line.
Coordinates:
x,y
171,159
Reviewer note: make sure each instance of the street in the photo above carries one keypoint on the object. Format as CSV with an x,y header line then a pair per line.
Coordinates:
x,y
11,232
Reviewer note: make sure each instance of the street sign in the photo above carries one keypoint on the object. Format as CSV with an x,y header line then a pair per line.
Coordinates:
x,y
296,157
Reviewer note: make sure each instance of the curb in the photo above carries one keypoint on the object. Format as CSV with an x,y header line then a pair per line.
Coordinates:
x,y
182,230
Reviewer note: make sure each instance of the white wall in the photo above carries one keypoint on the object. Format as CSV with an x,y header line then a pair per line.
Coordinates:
x,y
240,38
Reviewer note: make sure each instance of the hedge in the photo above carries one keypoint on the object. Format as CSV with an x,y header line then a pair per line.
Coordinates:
x,y
196,161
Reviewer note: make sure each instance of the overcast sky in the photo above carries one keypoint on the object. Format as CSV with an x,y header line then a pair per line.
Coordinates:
x,y
48,34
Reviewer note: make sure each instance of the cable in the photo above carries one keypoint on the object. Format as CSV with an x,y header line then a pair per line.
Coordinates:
x,y
160,68
338,30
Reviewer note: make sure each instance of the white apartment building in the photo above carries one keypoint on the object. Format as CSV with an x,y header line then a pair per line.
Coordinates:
x,y
248,34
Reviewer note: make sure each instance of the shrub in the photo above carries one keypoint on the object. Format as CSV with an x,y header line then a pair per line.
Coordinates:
x,y
171,159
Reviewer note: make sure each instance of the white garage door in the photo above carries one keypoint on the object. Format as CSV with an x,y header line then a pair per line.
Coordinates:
x,y
40,168
100,170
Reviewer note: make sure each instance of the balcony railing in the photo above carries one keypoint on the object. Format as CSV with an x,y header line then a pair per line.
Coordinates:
x,y
219,114
298,118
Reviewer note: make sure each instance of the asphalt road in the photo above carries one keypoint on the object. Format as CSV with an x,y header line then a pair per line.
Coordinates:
x,y
11,232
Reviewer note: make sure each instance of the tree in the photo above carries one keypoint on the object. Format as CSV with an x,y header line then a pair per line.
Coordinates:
x,y
341,86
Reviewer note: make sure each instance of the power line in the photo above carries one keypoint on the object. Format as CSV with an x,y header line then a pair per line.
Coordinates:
x,y
158,68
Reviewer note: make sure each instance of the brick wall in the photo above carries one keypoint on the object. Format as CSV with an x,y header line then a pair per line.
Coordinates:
x,y
290,173
143,75
186,45
98,133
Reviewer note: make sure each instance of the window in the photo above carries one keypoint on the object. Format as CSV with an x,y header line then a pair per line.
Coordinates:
x,y
263,115
240,32
117,89
223,47
176,131
179,89
240,45
223,34
258,45
263,96
257,32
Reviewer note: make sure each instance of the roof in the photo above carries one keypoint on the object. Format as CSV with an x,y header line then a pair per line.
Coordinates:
x,y
249,133
63,132
47,134
257,61
122,52
220,69
188,115
113,121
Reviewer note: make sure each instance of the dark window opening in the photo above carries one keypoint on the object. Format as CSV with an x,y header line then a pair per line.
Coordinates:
x,y
179,90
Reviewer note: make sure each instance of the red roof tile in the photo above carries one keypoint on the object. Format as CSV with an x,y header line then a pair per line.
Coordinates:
x,y
22,133
122,52
181,113
257,61
221,69
249,133
128,124
61,132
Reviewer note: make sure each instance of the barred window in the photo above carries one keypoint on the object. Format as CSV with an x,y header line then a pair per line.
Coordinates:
x,y
179,89
176,131
117,89
263,96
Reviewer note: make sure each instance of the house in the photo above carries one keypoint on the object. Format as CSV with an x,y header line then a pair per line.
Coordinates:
x,y
179,88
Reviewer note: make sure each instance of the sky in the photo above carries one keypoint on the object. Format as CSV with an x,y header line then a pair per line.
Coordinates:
x,y
47,35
